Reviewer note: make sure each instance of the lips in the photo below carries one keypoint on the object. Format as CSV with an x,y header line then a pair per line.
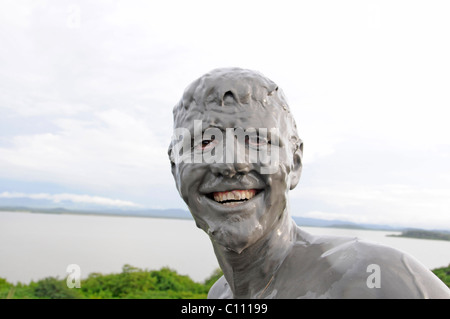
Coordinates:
x,y
234,197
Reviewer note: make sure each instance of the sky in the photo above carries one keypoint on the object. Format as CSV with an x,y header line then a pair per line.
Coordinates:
x,y
87,91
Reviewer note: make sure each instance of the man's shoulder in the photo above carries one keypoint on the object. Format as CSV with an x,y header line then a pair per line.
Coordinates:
x,y
347,267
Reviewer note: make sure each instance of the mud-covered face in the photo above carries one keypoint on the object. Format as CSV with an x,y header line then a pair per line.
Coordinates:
x,y
237,203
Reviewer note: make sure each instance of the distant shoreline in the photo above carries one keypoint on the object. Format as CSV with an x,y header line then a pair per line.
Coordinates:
x,y
63,211
423,234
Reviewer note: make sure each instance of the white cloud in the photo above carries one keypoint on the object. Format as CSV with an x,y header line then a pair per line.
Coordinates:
x,y
113,150
401,205
397,196
85,199
16,13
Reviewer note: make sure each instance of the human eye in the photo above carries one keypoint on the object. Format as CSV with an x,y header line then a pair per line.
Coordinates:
x,y
206,144
257,141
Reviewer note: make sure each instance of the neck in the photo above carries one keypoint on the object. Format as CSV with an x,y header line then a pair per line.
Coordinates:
x,y
250,273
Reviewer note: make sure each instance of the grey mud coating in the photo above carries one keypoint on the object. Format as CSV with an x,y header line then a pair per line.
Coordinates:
x,y
262,252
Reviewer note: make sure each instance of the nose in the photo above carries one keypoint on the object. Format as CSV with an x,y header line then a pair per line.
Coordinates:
x,y
236,154
230,169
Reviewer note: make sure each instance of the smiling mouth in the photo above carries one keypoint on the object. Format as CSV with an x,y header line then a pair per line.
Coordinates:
x,y
233,197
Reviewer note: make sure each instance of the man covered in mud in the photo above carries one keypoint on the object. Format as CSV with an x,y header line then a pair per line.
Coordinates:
x,y
235,155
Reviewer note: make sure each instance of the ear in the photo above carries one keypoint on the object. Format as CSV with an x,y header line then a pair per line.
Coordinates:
x,y
296,170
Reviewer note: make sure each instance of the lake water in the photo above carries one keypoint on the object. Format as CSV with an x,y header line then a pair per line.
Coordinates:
x,y
34,246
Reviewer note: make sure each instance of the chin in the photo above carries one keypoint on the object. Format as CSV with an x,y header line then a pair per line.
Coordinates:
x,y
234,227
236,235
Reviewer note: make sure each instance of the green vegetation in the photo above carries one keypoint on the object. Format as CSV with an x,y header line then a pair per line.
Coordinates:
x,y
423,234
131,283
443,274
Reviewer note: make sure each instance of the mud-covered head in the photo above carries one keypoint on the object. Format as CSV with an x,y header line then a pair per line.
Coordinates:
x,y
235,154
229,87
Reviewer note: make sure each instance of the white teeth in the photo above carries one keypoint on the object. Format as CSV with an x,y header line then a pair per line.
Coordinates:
x,y
234,195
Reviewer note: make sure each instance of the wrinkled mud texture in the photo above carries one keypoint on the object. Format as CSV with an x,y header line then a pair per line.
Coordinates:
x,y
260,249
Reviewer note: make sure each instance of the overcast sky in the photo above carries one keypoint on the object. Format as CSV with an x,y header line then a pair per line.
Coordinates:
x,y
87,90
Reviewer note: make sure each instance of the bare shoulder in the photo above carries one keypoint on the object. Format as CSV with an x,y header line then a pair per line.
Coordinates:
x,y
341,267
385,272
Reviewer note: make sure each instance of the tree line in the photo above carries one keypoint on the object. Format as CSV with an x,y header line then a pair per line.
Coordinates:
x,y
132,282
